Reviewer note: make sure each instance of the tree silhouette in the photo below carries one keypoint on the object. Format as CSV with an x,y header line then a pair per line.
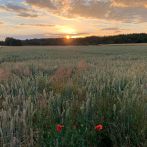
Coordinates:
x,y
12,42
93,40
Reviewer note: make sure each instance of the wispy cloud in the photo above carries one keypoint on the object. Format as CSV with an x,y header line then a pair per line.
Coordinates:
x,y
115,30
37,25
63,34
1,23
19,10
129,3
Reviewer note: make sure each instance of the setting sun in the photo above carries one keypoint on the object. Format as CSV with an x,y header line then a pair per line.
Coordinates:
x,y
68,37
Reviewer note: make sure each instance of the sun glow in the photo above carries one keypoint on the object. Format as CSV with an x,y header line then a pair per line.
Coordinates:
x,y
67,37
67,30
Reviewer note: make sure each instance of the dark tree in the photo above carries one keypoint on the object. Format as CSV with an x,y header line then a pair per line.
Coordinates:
x,y
2,43
12,42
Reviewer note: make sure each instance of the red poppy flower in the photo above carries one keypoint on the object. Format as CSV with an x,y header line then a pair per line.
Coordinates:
x,y
59,128
98,127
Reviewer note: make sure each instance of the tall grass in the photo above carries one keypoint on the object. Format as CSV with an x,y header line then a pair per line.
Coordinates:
x,y
77,88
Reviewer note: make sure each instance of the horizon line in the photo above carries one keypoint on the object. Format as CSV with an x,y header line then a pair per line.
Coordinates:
x,y
82,37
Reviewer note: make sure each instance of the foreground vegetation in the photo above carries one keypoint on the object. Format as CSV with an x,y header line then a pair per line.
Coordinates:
x,y
59,96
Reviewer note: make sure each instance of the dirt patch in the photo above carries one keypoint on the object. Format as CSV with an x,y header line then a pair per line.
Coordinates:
x,y
21,70
61,78
4,74
62,73
82,65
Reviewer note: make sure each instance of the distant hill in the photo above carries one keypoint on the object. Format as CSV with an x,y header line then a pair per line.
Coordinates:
x,y
92,40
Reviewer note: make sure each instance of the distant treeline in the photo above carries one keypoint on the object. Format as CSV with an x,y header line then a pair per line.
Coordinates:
x,y
93,40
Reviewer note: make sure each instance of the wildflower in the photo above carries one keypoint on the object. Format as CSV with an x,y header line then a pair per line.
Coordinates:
x,y
59,128
98,127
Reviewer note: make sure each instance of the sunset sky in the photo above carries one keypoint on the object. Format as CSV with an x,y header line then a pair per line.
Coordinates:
x,y
72,18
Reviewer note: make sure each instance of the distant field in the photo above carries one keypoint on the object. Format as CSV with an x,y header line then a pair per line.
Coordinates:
x,y
128,44
79,87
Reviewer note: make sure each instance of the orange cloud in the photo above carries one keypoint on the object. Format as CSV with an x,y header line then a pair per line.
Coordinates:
x,y
129,3
74,8
119,10
1,23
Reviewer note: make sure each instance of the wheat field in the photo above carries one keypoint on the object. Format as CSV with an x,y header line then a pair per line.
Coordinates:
x,y
78,87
